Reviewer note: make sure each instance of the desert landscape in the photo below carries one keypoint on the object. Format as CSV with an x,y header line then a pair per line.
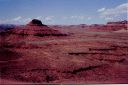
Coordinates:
x,y
39,53
63,42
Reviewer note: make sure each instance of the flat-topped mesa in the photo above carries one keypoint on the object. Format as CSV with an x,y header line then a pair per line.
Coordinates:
x,y
31,31
119,22
110,26
35,22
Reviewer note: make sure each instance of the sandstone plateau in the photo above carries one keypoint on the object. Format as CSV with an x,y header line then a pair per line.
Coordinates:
x,y
37,53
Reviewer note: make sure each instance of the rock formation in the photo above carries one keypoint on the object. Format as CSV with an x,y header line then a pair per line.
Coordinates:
x,y
35,22
110,26
33,30
119,24
35,54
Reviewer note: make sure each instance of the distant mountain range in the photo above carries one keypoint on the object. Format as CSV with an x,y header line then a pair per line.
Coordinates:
x,y
6,26
110,26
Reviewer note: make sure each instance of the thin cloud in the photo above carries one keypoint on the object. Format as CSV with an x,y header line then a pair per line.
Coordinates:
x,y
75,17
121,9
17,18
26,20
114,13
101,10
108,18
89,18
78,17
49,18
14,20
39,17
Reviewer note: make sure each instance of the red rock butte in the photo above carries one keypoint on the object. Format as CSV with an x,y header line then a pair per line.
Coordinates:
x,y
35,22
33,29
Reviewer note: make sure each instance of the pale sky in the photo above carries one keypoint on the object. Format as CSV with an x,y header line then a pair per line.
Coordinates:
x,y
62,11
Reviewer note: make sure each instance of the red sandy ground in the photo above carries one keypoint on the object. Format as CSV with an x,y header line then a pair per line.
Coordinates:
x,y
81,57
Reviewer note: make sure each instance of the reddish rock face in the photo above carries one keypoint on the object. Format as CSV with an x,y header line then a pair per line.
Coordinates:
x,y
110,26
33,29
83,57
119,22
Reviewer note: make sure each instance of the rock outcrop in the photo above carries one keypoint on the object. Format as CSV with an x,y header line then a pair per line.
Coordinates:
x,y
30,54
110,26
34,28
35,22
119,24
